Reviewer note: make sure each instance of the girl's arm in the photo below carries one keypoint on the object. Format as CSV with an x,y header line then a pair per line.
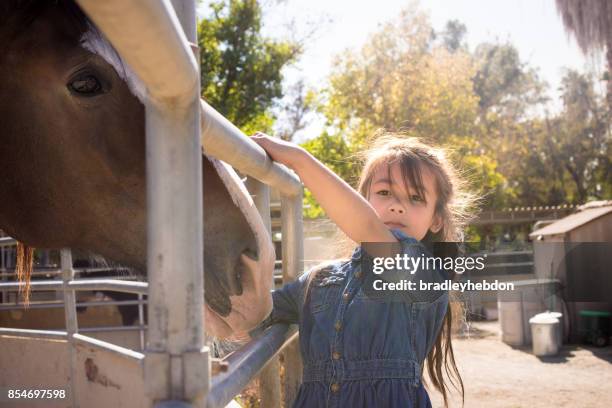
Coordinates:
x,y
346,208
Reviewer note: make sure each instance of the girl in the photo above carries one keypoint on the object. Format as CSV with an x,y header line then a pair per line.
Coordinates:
x,y
361,350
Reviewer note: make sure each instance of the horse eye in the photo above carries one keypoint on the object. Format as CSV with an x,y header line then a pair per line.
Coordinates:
x,y
86,85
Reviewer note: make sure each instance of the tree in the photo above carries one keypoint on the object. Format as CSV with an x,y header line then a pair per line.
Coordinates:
x,y
298,105
486,106
565,158
591,23
453,35
401,80
509,93
337,154
582,138
504,84
241,71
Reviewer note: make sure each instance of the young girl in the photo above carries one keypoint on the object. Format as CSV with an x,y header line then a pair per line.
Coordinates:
x,y
360,350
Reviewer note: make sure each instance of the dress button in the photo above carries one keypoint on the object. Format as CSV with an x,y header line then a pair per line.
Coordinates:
x,y
335,387
338,326
345,297
336,355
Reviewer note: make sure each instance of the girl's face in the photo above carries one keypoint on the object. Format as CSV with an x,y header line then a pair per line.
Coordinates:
x,y
401,209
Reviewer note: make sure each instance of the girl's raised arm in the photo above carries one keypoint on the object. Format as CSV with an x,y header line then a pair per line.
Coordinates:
x,y
345,206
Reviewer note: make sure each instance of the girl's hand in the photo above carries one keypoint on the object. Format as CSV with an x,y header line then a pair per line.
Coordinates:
x,y
280,151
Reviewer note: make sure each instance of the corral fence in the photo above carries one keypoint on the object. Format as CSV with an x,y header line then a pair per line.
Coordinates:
x,y
157,38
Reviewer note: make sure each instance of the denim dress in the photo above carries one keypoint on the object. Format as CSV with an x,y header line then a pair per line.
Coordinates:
x,y
360,350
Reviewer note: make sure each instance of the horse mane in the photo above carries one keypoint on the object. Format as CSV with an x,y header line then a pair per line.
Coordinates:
x,y
94,41
23,268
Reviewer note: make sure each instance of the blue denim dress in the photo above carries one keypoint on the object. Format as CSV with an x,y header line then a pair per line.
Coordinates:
x,y
360,350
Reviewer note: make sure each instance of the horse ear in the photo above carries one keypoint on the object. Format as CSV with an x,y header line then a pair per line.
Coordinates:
x,y
23,269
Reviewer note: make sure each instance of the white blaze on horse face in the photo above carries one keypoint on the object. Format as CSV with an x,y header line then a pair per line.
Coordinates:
x,y
95,42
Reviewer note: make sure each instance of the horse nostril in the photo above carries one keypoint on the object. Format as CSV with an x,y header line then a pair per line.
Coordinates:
x,y
251,253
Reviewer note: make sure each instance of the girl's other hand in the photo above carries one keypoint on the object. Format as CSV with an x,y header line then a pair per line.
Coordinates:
x,y
279,150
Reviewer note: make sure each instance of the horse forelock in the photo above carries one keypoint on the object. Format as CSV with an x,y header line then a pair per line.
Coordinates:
x,y
94,41
16,16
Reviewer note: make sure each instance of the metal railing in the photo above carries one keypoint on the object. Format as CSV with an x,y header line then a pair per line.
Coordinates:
x,y
149,37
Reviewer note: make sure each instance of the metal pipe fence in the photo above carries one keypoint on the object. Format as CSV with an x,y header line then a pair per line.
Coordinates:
x,y
177,364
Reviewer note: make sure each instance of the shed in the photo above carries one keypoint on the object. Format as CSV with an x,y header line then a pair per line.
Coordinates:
x,y
592,223
577,250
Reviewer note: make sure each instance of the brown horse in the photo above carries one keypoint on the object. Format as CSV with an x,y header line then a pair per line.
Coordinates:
x,y
72,155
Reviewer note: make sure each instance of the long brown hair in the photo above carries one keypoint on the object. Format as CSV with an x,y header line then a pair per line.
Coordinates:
x,y
454,206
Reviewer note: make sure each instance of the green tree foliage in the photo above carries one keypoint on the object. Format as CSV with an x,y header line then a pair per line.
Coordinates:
x,y
336,153
453,35
561,158
401,79
404,79
241,71
578,141
487,106
508,91
504,84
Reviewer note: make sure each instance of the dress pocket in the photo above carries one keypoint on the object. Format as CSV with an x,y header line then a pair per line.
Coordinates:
x,y
324,291
324,295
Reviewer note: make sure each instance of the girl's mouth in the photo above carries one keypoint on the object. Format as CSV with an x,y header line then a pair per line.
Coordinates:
x,y
394,225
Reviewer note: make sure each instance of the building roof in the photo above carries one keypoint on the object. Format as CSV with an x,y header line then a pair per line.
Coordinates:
x,y
589,212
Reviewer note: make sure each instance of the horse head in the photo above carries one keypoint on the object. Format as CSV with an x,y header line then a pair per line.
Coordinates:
x,y
72,154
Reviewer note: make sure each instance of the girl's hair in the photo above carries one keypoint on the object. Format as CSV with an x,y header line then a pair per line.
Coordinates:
x,y
454,206
454,202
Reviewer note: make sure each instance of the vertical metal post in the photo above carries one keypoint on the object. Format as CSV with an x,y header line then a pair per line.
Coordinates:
x,y
71,317
293,263
3,271
269,378
141,322
177,364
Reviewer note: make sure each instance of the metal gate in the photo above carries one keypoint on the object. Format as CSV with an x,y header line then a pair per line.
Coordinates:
x,y
157,39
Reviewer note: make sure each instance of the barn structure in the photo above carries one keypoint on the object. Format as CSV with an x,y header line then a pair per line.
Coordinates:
x,y
577,250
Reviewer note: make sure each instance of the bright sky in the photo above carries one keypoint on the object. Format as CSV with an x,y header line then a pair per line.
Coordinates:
x,y
533,26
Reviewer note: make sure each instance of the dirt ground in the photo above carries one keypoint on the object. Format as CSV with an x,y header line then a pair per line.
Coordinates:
x,y
497,375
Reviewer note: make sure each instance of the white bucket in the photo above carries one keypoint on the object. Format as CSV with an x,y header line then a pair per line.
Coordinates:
x,y
544,334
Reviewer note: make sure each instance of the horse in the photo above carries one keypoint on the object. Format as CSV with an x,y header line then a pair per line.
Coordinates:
x,y
72,158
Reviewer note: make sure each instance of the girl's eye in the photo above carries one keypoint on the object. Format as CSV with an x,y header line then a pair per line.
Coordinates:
x,y
85,85
384,193
416,197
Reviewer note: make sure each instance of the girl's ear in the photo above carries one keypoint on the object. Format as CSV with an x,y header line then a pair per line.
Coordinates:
x,y
437,223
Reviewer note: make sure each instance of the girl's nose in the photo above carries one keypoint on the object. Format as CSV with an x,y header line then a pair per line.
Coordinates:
x,y
396,208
